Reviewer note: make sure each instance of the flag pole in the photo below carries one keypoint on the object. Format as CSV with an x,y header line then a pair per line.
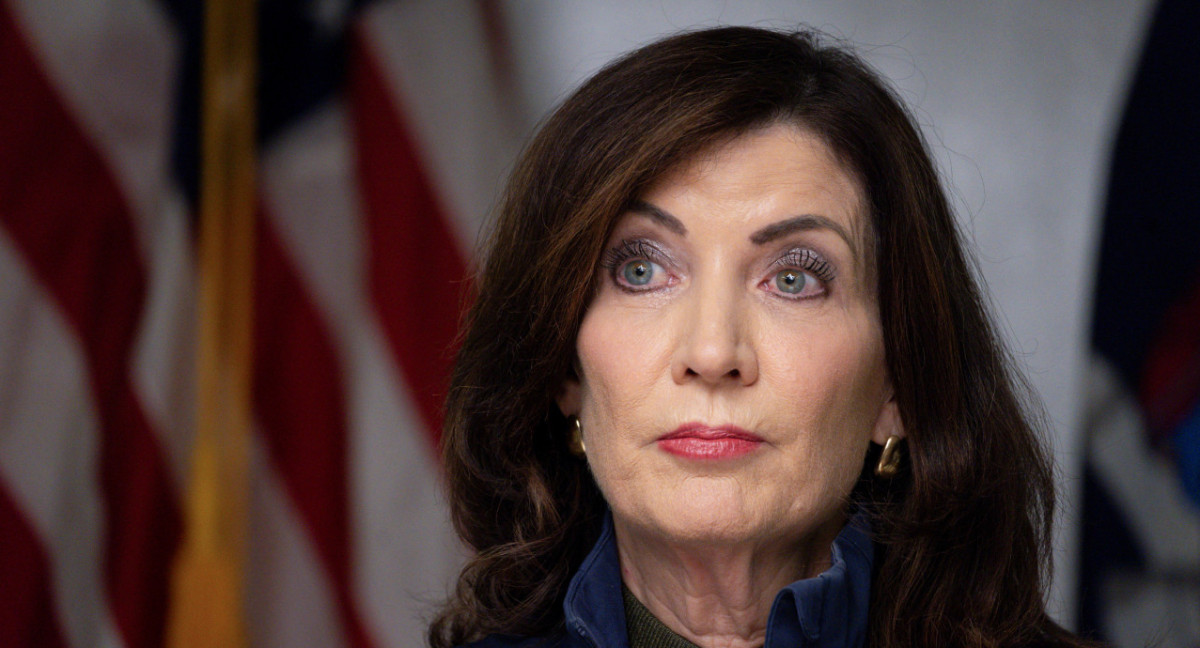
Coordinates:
x,y
207,606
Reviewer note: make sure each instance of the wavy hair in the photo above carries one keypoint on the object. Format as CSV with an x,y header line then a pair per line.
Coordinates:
x,y
962,533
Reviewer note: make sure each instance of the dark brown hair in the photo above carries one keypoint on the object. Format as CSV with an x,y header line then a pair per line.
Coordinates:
x,y
962,533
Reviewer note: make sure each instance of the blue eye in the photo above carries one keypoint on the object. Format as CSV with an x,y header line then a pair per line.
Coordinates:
x,y
799,274
791,281
637,266
638,272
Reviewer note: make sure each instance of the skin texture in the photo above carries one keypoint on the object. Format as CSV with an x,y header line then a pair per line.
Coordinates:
x,y
692,323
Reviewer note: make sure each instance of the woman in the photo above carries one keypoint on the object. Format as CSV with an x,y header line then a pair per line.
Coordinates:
x,y
728,380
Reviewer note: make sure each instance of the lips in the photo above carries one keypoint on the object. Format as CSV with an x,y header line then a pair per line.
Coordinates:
x,y
705,443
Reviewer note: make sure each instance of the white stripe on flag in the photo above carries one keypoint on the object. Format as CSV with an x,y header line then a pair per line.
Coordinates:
x,y
114,64
435,56
288,594
163,367
1143,484
408,553
48,453
402,544
309,191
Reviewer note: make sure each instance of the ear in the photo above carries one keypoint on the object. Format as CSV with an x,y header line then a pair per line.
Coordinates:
x,y
568,397
889,422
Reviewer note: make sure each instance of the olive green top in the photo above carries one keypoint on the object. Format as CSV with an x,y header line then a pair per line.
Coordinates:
x,y
646,631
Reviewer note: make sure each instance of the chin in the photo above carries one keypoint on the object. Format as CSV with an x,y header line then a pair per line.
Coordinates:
x,y
717,531
713,516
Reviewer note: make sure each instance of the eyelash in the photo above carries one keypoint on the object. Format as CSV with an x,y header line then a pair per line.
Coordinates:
x,y
807,260
629,250
632,249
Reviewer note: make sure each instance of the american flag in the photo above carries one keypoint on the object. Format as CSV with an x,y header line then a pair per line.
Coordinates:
x,y
381,146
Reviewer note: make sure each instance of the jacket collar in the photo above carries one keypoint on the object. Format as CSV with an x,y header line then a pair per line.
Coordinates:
x,y
595,612
826,611
829,609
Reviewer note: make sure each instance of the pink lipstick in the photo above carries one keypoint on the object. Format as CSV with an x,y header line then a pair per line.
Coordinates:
x,y
702,442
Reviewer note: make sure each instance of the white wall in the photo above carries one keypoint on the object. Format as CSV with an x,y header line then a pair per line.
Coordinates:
x,y
1019,101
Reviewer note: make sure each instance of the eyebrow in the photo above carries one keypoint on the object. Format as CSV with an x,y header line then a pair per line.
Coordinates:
x,y
801,223
659,216
772,232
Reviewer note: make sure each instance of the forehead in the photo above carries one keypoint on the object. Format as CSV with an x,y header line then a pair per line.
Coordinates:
x,y
773,172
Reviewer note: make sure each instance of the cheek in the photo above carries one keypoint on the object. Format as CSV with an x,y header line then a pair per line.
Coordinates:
x,y
622,355
833,377
621,358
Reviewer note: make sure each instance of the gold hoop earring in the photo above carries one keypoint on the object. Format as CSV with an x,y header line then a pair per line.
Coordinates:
x,y
575,443
889,459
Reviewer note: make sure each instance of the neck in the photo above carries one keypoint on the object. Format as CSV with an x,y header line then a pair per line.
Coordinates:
x,y
717,595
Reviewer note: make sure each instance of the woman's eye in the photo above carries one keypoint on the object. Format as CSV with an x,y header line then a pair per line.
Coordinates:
x,y
790,281
795,283
799,274
640,273
629,265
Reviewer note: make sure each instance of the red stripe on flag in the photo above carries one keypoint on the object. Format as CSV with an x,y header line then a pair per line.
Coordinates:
x,y
1170,386
27,612
66,215
416,271
300,405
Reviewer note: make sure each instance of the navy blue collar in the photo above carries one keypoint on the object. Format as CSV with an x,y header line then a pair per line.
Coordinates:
x,y
826,611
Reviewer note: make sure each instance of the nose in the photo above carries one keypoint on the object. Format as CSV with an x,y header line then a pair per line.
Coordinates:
x,y
714,344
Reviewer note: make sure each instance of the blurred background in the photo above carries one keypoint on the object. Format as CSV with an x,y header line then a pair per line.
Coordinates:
x,y
1066,132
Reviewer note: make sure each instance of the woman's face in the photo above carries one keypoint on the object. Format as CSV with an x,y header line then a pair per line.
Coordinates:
x,y
731,363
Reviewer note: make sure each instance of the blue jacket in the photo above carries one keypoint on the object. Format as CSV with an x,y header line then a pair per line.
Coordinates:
x,y
826,611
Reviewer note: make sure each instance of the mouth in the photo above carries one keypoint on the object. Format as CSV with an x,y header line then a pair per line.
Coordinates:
x,y
701,442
